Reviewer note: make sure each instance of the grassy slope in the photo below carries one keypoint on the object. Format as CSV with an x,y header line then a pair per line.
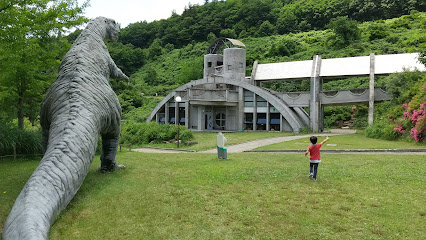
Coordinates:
x,y
249,196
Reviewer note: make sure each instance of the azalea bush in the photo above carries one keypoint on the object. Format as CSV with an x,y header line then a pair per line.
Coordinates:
x,y
405,115
410,117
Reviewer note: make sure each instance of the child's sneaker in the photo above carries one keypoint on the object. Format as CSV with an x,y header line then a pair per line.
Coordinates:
x,y
311,175
314,179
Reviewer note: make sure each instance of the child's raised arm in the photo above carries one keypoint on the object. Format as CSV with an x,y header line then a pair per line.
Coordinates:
x,y
325,140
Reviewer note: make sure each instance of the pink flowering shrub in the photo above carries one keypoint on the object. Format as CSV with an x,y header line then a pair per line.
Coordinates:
x,y
413,118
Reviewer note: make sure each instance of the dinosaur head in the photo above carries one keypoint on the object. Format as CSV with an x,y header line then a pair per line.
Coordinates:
x,y
111,28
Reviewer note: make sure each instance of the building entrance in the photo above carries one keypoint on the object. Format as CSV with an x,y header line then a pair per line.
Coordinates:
x,y
208,121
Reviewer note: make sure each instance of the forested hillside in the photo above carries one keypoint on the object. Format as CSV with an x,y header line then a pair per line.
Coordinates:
x,y
165,67
258,18
244,19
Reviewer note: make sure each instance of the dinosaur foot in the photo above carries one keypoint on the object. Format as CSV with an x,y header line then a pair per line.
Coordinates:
x,y
107,169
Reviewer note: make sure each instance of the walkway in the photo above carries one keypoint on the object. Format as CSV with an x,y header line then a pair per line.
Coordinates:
x,y
247,146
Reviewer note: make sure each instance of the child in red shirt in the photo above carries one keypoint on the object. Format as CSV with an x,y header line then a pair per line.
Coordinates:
x,y
315,156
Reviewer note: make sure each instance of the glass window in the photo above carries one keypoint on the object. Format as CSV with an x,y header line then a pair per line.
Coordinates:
x,y
248,99
262,104
229,67
248,104
274,121
248,121
220,119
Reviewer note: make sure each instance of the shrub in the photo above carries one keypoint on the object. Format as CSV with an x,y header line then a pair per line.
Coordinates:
x,y
378,30
403,120
376,130
334,114
25,141
136,133
286,47
360,123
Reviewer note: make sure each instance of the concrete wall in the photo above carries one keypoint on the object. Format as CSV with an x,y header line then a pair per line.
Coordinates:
x,y
211,61
234,64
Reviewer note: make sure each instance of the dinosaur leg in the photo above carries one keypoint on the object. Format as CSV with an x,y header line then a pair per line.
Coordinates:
x,y
109,150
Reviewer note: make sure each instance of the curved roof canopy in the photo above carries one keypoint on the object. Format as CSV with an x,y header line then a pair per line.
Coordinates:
x,y
222,43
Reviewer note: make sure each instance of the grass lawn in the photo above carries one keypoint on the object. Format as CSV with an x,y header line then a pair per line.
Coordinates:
x,y
350,141
207,140
248,196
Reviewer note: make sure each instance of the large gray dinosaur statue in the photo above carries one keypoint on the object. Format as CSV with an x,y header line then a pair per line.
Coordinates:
x,y
78,107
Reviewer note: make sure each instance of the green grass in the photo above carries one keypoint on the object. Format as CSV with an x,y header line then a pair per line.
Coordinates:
x,y
350,141
13,175
249,196
207,140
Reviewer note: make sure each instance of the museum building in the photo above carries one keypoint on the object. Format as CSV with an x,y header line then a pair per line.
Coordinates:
x,y
226,100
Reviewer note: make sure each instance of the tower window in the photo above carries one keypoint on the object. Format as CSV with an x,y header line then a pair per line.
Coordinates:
x,y
209,64
229,67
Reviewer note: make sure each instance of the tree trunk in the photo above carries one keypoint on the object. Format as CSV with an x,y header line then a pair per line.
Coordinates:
x,y
21,112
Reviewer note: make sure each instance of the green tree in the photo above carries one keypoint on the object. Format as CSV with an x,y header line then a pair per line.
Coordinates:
x,y
346,30
128,58
151,77
228,33
266,29
211,37
31,47
191,70
155,49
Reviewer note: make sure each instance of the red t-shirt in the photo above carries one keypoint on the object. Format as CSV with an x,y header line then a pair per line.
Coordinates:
x,y
314,151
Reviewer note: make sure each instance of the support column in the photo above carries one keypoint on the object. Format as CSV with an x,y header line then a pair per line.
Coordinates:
x,y
321,117
157,117
281,123
187,120
240,113
254,112
268,117
167,116
200,117
371,91
314,103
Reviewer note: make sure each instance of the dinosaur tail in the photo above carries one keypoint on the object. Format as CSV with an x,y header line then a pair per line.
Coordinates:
x,y
65,164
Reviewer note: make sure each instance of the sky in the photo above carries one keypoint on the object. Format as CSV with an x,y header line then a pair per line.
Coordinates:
x,y
131,11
